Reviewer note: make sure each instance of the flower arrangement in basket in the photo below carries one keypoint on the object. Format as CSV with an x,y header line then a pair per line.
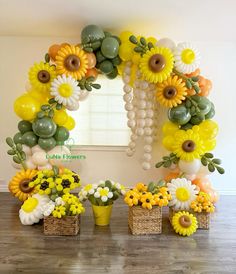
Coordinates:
x,y
145,207
50,199
102,197
189,209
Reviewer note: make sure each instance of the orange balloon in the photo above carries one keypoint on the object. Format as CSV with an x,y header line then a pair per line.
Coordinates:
x,y
203,183
214,196
52,51
171,175
194,73
92,72
91,60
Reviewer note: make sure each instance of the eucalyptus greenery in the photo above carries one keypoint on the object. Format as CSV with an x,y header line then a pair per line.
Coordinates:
x,y
154,187
167,161
212,163
141,45
88,84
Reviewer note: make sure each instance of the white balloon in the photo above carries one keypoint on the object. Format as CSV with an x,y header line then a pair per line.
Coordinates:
x,y
36,149
147,157
127,70
148,140
141,113
136,83
129,64
39,158
190,167
167,43
142,94
146,165
131,123
140,123
138,74
30,164
15,165
127,88
74,106
190,177
127,97
142,104
143,84
27,150
133,137
148,122
203,172
131,114
148,131
140,131
83,95
149,113
128,106
152,87
148,148
48,166
132,145
129,152
149,105
126,78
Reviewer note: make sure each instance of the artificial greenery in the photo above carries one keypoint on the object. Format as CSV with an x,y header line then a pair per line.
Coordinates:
x,y
142,46
191,82
212,163
154,187
88,84
167,161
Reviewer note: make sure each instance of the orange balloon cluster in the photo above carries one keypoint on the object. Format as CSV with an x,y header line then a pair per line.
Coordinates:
x,y
205,84
204,185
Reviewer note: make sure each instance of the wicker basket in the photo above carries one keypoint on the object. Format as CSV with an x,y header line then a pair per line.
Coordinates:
x,y
145,221
66,226
203,218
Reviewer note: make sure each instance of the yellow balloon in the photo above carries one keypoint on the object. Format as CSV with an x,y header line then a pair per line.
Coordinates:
x,y
126,51
136,58
60,117
70,124
26,107
169,128
168,142
208,129
120,68
153,40
209,144
42,97
124,36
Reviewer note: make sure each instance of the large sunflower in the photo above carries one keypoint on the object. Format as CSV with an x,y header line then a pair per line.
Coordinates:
x,y
19,184
184,223
188,145
156,64
171,92
71,60
41,75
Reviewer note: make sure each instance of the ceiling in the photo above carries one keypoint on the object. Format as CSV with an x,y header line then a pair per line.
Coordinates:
x,y
211,20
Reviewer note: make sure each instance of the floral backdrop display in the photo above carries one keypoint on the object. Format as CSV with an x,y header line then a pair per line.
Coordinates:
x,y
156,73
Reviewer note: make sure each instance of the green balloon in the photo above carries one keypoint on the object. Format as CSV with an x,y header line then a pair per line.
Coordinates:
x,y
100,57
18,138
110,47
30,139
179,115
112,74
106,67
24,126
197,119
92,33
116,61
47,143
62,134
211,113
204,104
44,127
187,126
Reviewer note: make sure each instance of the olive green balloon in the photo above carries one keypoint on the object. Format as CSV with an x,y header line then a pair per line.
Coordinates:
x,y
106,67
44,127
204,104
24,126
211,113
179,115
110,47
18,138
100,57
112,74
47,143
30,139
197,119
92,32
62,134
116,61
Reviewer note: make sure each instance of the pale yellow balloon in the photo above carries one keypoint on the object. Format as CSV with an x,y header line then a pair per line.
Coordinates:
x,y
126,51
209,144
168,142
60,117
70,124
124,36
153,40
169,128
208,129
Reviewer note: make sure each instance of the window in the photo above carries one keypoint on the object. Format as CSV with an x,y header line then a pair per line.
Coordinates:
x,y
101,118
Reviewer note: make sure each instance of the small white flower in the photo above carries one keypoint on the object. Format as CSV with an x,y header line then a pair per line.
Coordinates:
x,y
104,198
59,201
48,208
117,185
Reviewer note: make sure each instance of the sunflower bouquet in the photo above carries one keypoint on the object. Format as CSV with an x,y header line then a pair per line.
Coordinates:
x,y
148,196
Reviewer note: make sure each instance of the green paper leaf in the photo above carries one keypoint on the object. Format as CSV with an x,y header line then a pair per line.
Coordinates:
x,y
216,161
16,160
10,142
220,170
209,155
204,161
158,165
11,152
211,167
133,39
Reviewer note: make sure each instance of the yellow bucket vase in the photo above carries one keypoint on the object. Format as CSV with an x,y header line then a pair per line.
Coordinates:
x,y
102,214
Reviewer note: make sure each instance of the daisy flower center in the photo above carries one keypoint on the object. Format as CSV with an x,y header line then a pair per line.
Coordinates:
x,y
65,90
169,92
103,192
182,194
157,62
188,56
43,76
30,204
188,146
72,62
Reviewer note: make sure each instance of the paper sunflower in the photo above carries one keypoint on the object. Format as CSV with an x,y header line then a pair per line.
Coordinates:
x,y
132,198
187,58
71,60
188,145
19,184
32,209
41,76
184,223
171,92
65,90
147,200
157,64
183,193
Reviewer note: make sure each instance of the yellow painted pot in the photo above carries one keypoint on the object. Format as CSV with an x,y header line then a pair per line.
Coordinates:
x,y
102,214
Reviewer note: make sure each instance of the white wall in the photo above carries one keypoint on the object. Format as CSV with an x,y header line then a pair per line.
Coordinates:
x,y
17,54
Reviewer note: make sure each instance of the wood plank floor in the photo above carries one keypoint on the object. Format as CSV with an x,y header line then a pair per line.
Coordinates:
x,y
24,249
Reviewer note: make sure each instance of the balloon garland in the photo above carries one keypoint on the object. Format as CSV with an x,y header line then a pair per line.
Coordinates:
x,y
154,73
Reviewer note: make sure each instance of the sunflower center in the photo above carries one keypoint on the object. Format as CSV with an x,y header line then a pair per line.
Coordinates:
x,y
188,56
182,194
24,186
72,62
188,146
65,90
157,62
30,204
76,178
43,76
169,92
185,221
44,185
65,183
131,196
147,201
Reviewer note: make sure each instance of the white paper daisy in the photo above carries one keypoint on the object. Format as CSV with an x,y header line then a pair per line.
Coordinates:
x,y
187,58
48,208
104,193
65,90
32,209
182,192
